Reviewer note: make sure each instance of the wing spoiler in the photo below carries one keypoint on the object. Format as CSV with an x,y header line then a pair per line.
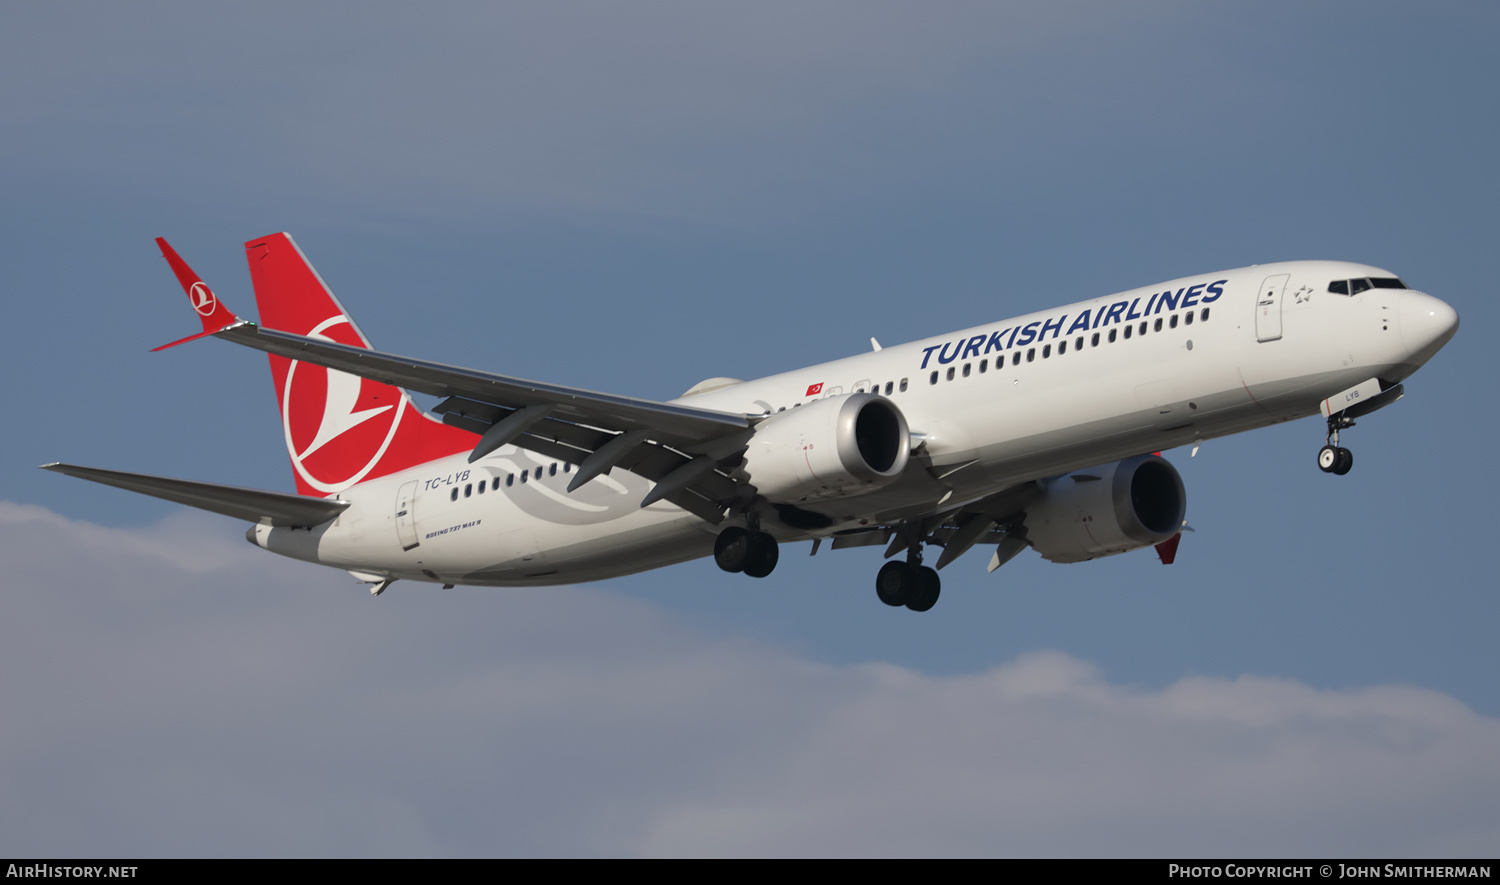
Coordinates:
x,y
277,508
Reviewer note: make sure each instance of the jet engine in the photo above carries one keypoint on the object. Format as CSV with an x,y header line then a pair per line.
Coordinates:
x,y
831,448
1113,508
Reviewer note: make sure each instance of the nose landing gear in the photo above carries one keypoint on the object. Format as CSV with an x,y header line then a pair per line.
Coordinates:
x,y
1333,458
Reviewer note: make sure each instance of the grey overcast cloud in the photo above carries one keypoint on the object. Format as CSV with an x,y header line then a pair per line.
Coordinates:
x,y
634,197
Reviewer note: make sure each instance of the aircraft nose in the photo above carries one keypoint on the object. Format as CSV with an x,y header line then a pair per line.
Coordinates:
x,y
1426,324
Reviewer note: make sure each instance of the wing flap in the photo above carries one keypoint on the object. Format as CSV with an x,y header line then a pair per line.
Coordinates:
x,y
277,508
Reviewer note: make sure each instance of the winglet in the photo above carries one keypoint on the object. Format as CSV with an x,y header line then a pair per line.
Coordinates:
x,y
206,304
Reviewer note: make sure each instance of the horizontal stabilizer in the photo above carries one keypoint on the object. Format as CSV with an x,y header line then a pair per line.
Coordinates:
x,y
277,508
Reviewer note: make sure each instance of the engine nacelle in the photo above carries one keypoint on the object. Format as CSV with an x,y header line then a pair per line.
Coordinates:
x,y
831,448
1108,509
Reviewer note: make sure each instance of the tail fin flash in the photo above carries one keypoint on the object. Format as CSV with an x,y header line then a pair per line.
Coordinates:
x,y
340,429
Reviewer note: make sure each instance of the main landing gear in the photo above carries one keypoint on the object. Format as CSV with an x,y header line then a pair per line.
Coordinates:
x,y
1332,458
743,550
909,583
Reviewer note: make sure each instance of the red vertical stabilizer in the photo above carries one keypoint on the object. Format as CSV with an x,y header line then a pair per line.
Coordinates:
x,y
340,429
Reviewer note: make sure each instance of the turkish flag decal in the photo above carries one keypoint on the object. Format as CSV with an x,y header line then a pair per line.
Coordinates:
x,y
814,389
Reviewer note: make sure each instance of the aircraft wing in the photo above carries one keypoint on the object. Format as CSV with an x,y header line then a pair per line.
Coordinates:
x,y
667,422
687,451
277,508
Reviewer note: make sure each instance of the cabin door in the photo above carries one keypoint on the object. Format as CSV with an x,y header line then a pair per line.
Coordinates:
x,y
1268,308
406,522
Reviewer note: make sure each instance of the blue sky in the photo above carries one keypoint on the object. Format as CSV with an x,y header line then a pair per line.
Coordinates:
x,y
634,197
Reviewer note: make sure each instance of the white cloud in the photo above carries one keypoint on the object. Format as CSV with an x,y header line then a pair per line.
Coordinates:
x,y
158,703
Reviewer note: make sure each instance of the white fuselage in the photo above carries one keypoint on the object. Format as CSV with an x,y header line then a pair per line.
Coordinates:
x,y
995,405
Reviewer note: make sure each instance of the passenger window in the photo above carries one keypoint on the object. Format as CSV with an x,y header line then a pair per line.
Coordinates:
x,y
1128,330
1015,358
510,480
950,373
1062,347
984,366
1112,333
482,484
552,471
1204,317
524,475
567,467
888,388
933,379
1030,354
454,496
903,385
966,370
1078,343
539,473
468,490
1096,340
1188,318
1046,351
1157,327
1339,287
1173,323
1358,286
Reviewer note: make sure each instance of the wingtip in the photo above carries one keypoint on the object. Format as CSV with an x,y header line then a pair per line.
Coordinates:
x,y
214,313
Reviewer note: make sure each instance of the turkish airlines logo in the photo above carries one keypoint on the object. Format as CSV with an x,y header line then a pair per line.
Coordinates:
x,y
335,431
203,298
814,389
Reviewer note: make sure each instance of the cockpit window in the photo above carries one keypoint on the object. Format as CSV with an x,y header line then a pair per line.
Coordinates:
x,y
1354,287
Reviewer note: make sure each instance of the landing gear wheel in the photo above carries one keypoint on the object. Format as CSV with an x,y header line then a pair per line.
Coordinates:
x,y
914,586
1333,458
1343,463
923,594
891,583
762,556
732,549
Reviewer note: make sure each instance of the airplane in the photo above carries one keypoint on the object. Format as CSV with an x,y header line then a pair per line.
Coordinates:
x,y
1040,431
